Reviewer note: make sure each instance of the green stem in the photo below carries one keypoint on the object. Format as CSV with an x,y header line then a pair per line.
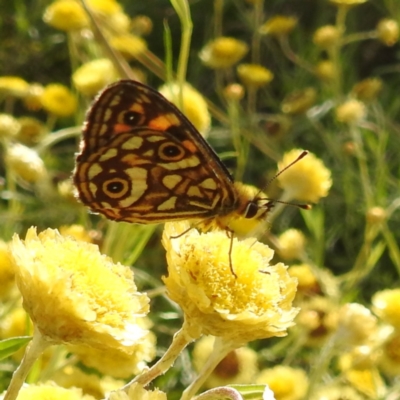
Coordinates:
x,y
220,350
32,353
180,341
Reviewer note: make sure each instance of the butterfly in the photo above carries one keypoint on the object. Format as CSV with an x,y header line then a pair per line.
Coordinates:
x,y
142,161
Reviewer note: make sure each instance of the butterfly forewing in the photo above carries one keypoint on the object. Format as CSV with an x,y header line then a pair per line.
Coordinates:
x,y
142,161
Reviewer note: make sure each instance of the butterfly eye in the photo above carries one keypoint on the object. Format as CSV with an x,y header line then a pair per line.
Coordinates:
x,y
170,152
251,210
115,188
132,117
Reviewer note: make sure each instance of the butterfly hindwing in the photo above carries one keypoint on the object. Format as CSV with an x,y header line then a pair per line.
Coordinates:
x,y
142,161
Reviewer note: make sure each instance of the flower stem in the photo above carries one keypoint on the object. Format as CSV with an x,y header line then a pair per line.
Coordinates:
x,y
32,353
180,341
221,349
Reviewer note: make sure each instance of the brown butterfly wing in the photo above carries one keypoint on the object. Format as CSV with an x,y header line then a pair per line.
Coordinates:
x,y
142,161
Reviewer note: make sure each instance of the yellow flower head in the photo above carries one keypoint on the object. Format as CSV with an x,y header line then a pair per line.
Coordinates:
x,y
31,131
117,363
13,86
66,15
130,46
141,25
279,25
389,357
78,232
287,383
9,126
223,52
58,100
238,367
307,282
347,3
50,391
326,37
254,304
351,112
32,99
307,180
326,71
368,89
7,274
91,77
254,75
388,31
386,306
194,105
234,92
291,244
25,163
75,295
299,102
318,317
97,386
356,324
137,392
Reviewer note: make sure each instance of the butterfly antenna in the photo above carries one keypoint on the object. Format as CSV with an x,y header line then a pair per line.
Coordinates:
x,y
302,155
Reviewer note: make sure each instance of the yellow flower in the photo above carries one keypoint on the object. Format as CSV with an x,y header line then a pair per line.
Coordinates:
x,y
318,317
326,71
389,357
254,75
194,105
367,89
307,282
386,306
234,92
66,15
223,52
58,100
106,7
141,25
25,163
137,392
336,391
388,31
78,232
356,325
9,126
366,381
32,99
238,367
13,86
351,112
326,37
291,244
307,180
117,363
75,295
50,391
31,131
254,304
278,25
287,383
347,3
130,46
91,77
7,281
90,383
299,101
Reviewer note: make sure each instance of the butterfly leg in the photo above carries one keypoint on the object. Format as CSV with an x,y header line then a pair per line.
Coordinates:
x,y
229,233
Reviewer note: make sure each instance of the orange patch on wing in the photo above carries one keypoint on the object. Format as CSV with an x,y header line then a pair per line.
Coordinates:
x,y
188,145
121,128
137,108
163,122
